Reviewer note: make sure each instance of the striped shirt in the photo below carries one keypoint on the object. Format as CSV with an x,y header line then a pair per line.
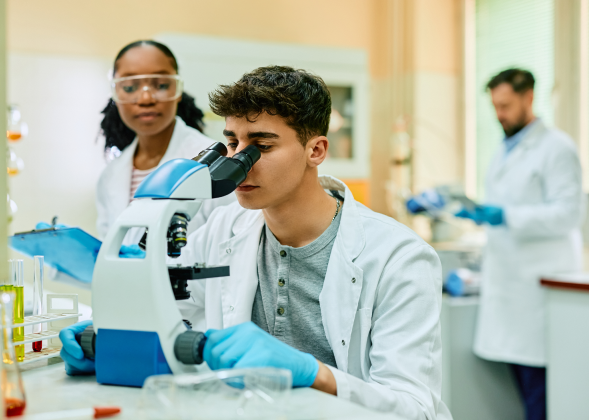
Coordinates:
x,y
137,176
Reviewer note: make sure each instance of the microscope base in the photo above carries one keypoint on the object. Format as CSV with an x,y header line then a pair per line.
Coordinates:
x,y
128,357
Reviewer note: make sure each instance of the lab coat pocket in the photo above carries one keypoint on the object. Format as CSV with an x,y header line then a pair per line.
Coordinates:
x,y
360,344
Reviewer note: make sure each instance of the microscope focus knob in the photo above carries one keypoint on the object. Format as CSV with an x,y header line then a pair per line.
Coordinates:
x,y
188,347
88,342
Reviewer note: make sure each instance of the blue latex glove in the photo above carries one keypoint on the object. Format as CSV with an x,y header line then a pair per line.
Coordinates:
x,y
43,225
483,214
246,345
71,352
454,284
131,251
429,200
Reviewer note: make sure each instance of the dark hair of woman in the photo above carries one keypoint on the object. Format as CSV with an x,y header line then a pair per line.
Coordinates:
x,y
117,134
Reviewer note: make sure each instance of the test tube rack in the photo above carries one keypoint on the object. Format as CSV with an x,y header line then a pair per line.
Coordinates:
x,y
57,318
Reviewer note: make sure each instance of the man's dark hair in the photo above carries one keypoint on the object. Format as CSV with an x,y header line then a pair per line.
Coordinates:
x,y
301,98
520,80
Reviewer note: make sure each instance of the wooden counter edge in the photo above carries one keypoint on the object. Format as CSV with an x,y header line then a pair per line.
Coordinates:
x,y
581,287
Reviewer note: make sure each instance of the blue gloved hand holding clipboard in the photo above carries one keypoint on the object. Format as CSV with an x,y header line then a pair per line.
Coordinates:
x,y
68,249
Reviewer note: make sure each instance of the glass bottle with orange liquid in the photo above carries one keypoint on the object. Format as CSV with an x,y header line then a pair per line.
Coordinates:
x,y
10,379
16,129
14,164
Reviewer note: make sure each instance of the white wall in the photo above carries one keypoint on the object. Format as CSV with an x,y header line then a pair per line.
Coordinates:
x,y
60,99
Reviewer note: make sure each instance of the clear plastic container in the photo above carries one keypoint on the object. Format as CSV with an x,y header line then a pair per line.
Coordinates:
x,y
258,393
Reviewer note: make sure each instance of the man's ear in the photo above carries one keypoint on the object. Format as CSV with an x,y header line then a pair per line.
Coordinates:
x,y
529,95
317,150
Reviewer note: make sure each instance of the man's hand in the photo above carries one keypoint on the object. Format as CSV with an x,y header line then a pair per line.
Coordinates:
x,y
71,352
483,214
246,345
43,225
131,251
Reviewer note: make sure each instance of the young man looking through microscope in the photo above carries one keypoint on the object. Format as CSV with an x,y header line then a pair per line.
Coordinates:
x,y
345,298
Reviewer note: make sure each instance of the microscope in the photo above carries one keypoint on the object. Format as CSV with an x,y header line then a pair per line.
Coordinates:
x,y
138,330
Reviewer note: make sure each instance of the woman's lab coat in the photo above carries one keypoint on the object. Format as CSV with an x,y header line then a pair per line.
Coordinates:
x,y
113,192
380,302
538,184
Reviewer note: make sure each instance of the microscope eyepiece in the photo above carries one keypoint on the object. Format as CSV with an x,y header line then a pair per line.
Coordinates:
x,y
247,158
227,173
219,148
211,154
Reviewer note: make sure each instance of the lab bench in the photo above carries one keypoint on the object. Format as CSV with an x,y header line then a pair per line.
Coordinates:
x,y
473,388
49,389
566,298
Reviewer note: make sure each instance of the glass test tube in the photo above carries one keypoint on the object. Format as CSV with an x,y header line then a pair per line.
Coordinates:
x,y
7,286
19,309
38,308
11,382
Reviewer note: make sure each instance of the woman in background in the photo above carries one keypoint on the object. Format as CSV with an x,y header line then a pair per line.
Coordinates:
x,y
149,120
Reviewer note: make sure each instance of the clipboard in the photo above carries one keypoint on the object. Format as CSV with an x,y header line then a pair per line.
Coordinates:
x,y
70,249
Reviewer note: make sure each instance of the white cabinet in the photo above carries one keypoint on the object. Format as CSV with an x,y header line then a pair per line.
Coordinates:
x,y
567,347
473,388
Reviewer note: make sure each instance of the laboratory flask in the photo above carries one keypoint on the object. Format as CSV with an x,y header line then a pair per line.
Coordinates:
x,y
11,383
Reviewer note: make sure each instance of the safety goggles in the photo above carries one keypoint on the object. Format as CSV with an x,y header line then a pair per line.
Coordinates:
x,y
162,88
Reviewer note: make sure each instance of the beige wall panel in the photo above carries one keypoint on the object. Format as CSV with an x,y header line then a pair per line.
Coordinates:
x,y
381,41
436,139
567,67
381,131
437,31
101,28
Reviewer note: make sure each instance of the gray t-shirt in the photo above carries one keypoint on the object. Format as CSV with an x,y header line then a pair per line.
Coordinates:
x,y
290,280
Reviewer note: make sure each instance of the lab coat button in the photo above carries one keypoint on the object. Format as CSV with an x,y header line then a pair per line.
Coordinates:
x,y
231,308
343,343
280,311
283,253
281,282
353,280
228,250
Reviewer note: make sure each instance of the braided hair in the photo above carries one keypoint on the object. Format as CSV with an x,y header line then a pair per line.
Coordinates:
x,y
117,134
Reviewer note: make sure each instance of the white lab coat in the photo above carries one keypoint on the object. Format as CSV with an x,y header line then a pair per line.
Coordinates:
x,y
539,187
113,193
380,302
